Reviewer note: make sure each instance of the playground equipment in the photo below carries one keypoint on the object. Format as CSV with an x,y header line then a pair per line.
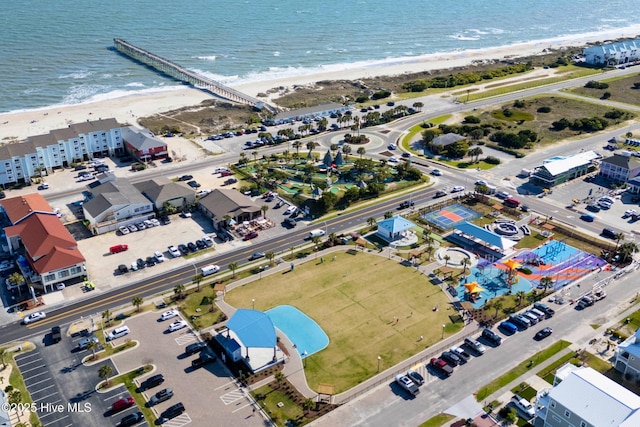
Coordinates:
x,y
512,272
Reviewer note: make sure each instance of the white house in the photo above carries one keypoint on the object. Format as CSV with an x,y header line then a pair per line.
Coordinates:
x,y
627,360
612,54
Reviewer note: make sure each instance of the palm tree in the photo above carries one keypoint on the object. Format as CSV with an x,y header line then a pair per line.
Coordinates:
x,y
520,297
465,262
618,237
430,241
264,210
546,282
418,105
91,345
15,398
297,144
446,260
233,266
3,353
104,373
178,290
315,240
197,279
279,376
16,279
346,149
475,152
388,214
627,250
292,248
311,145
361,151
498,304
137,302
334,148
270,256
106,316
254,153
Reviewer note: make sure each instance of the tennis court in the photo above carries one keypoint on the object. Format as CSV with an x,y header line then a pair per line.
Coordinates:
x,y
450,216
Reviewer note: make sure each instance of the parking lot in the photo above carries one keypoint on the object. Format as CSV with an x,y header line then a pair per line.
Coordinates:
x,y
54,375
207,393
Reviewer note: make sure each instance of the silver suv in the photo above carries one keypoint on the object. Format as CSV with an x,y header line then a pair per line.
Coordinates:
x,y
475,345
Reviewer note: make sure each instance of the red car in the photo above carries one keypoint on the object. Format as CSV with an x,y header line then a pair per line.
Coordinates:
x,y
122,404
226,173
118,248
251,235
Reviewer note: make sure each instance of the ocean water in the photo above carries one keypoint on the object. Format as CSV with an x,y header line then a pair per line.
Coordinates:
x,y
60,52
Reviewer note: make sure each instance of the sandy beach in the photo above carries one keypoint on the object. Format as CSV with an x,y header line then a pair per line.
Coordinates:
x,y
127,109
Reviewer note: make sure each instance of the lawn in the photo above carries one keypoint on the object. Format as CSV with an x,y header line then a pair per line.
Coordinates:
x,y
368,305
621,90
278,404
437,421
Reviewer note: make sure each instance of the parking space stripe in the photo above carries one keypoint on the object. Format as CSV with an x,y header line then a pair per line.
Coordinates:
x,y
27,379
39,359
48,395
57,419
43,388
226,385
29,370
242,407
26,356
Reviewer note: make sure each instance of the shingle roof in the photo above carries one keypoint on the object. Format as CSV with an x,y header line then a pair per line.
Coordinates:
x,y
397,224
43,140
84,128
162,189
17,208
485,235
18,149
626,162
141,141
116,192
221,202
595,398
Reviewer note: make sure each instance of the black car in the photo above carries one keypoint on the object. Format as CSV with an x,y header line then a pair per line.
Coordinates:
x,y
194,184
152,381
492,337
56,334
141,264
192,247
183,249
194,348
185,178
543,333
80,167
278,205
407,204
131,419
123,269
203,360
166,220
151,261
161,396
451,358
200,244
295,213
290,222
173,411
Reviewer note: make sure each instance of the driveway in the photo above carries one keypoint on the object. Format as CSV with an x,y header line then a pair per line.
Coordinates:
x,y
63,389
207,393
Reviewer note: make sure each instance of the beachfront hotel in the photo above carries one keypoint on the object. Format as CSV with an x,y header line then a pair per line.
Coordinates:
x,y
59,148
612,54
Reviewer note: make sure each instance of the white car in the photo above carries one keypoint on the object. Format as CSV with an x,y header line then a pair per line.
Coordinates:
x,y
60,286
169,314
147,223
481,182
524,406
436,172
220,170
175,252
159,256
630,212
34,317
132,228
155,222
207,241
393,160
177,325
134,266
291,209
202,193
141,226
124,230
457,189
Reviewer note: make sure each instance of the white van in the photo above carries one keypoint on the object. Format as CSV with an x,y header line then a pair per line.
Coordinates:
x,y
316,233
210,269
118,332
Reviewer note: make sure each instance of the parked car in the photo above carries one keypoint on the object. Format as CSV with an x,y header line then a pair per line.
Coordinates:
x,y
118,332
441,366
585,301
202,360
461,353
122,404
185,178
123,269
183,249
152,381
151,261
175,252
508,327
290,222
169,314
475,346
83,344
451,358
141,226
251,235
208,241
118,248
415,377
544,308
194,184
200,244
192,247
491,336
543,333
194,348
161,396
523,406
124,230
34,317
56,334
177,325
132,228
172,412
406,383
131,419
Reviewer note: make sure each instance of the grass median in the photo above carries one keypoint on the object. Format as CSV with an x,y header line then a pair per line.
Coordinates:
x,y
521,369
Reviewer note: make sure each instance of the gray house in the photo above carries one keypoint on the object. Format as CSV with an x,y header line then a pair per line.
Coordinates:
x,y
162,190
223,204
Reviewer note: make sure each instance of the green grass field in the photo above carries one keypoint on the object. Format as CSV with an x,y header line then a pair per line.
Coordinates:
x,y
355,299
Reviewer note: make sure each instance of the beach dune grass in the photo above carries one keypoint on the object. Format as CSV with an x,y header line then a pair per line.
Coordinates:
x,y
368,305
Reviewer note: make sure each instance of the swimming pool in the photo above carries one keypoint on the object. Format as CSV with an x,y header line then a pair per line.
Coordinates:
x,y
307,336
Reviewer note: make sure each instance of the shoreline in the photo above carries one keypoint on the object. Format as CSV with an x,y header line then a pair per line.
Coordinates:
x,y
18,125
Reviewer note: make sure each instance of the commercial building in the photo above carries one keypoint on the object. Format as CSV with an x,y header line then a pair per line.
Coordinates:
x,y
223,206
143,145
620,167
560,169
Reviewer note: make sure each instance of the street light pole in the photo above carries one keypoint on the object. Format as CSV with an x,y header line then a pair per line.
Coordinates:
x,y
253,303
379,358
443,326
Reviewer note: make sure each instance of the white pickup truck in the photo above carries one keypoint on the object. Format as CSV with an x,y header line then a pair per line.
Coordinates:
x,y
406,383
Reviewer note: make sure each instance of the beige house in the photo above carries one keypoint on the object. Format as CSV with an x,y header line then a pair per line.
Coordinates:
x,y
221,205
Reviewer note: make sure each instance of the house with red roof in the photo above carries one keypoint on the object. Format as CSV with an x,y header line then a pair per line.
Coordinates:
x,y
45,251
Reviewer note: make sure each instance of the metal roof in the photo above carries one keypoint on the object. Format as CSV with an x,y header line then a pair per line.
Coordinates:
x,y
253,328
563,165
485,235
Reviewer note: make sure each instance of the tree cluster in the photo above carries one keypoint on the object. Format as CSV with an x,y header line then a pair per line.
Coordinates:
x,y
587,124
513,140
592,84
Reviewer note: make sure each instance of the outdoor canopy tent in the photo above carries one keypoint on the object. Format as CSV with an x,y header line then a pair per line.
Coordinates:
x,y
254,328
